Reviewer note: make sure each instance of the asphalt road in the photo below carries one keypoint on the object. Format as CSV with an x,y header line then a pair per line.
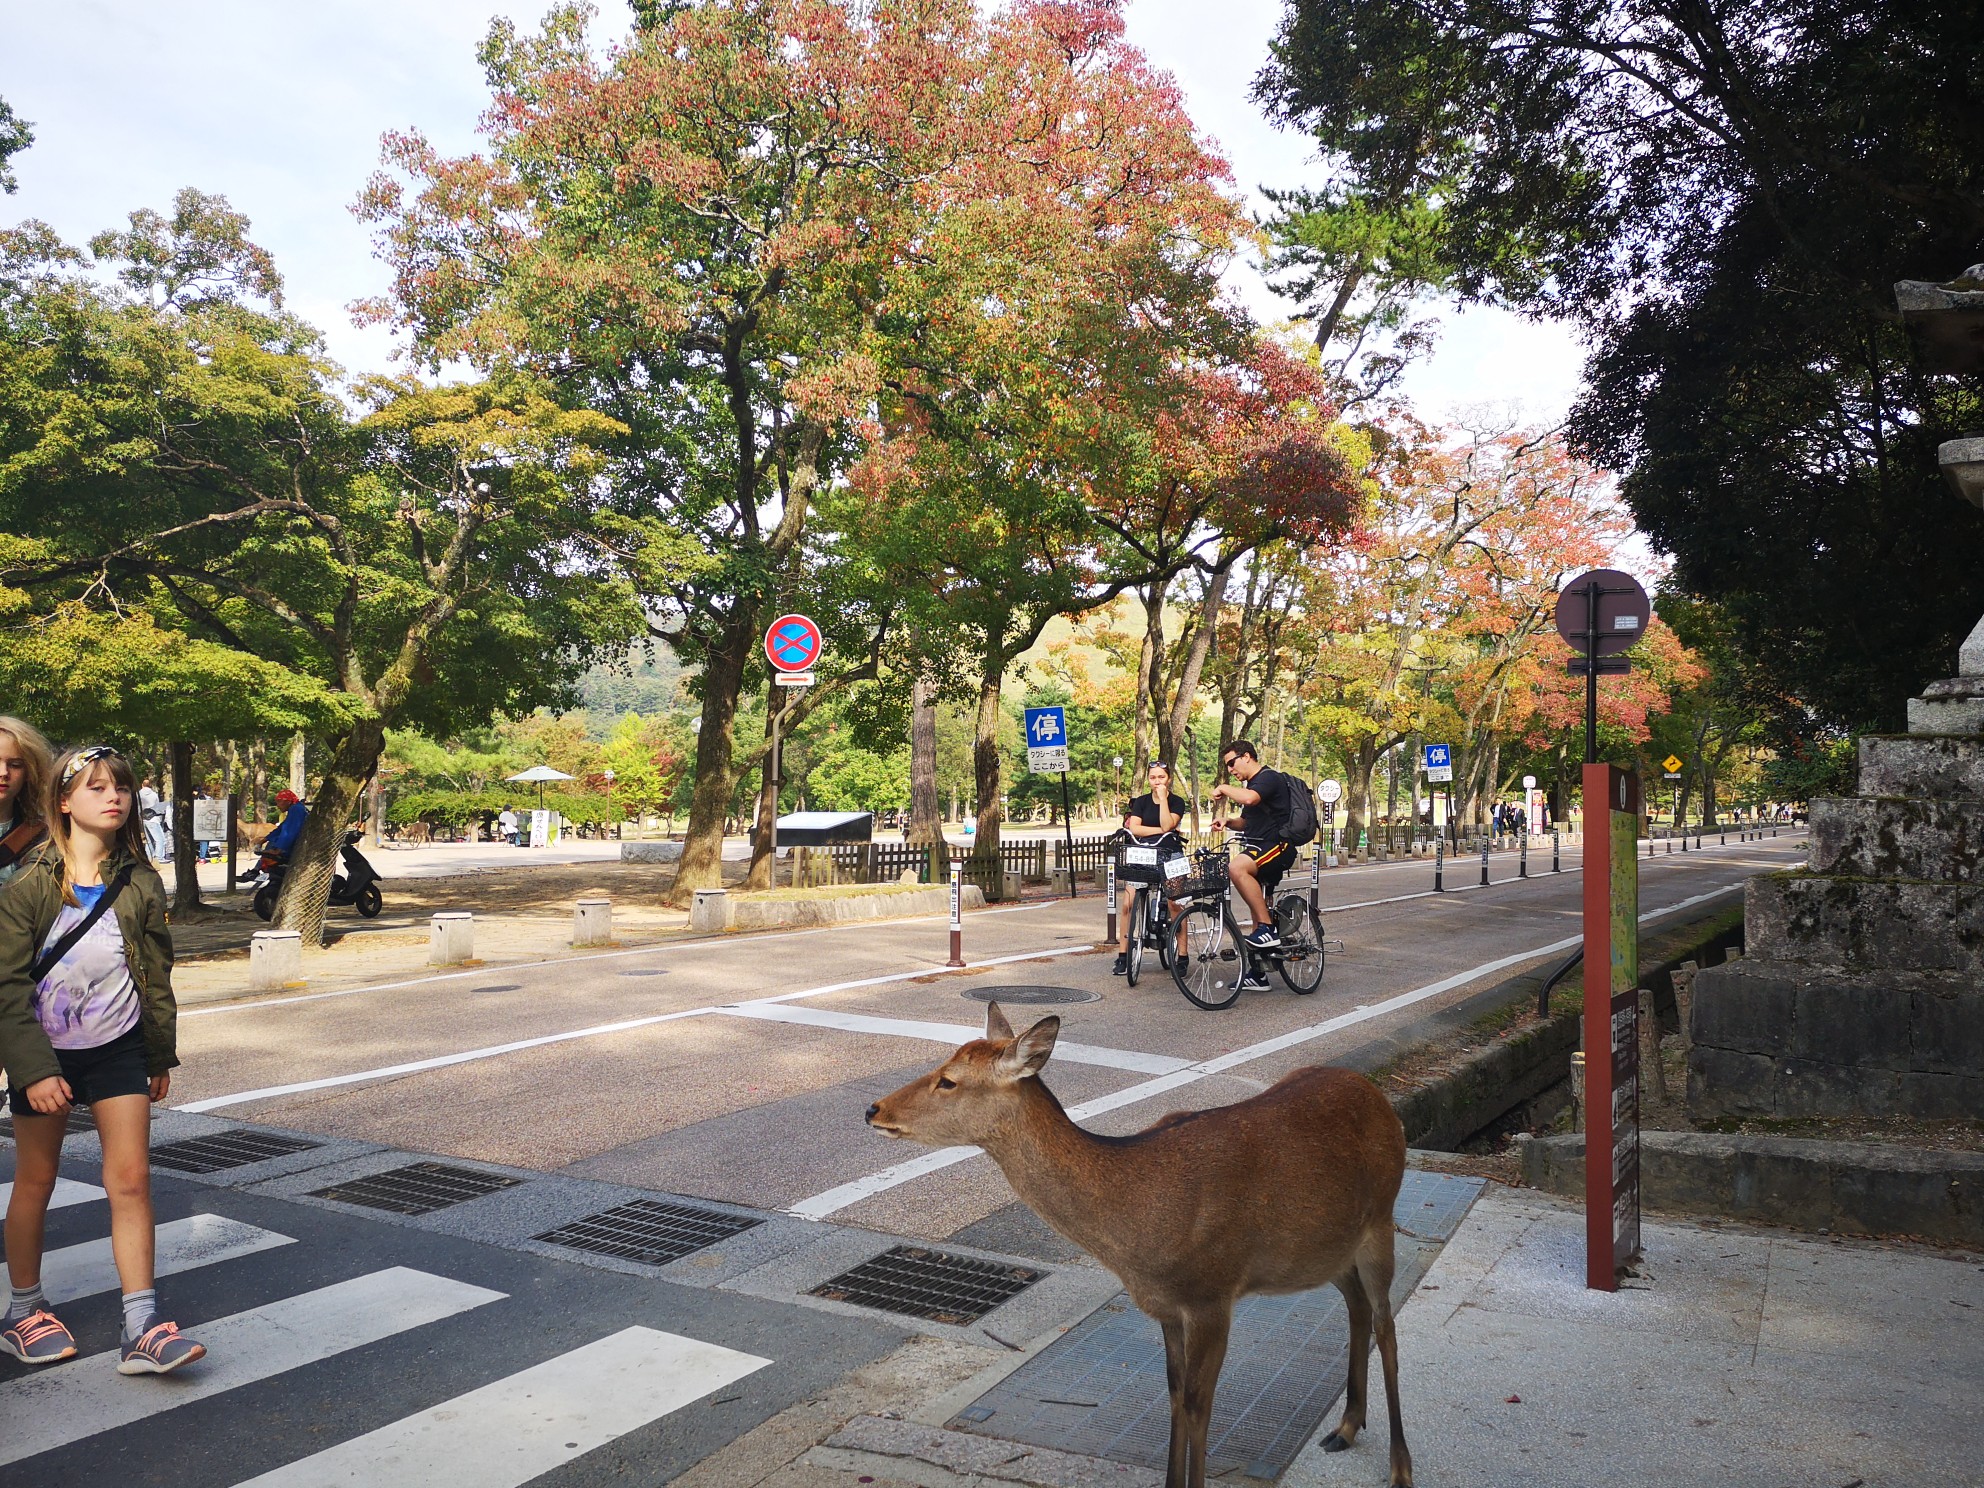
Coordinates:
x,y
737,1069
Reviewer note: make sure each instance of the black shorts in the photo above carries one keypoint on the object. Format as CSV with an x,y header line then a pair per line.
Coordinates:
x,y
115,1068
1271,860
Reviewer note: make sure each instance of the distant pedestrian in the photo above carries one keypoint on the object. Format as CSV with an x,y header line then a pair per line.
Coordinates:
x,y
506,825
23,784
151,812
87,1018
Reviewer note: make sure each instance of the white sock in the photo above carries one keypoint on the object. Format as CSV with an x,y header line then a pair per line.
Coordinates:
x,y
139,1308
24,1301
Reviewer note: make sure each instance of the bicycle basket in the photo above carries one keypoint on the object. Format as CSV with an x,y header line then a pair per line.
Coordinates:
x,y
1211,875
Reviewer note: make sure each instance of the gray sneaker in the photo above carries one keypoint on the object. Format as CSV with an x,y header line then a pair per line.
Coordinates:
x,y
38,1339
159,1349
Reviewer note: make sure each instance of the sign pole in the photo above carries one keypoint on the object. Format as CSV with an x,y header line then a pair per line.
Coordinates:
x,y
1068,832
957,913
1611,1024
1109,870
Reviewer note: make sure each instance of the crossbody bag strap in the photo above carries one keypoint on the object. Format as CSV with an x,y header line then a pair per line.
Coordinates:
x,y
18,841
52,957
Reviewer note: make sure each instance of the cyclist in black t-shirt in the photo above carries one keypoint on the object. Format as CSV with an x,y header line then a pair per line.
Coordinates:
x,y
1153,819
1265,852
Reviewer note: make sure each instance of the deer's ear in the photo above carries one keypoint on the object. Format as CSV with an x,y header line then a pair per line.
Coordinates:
x,y
996,1026
1027,1054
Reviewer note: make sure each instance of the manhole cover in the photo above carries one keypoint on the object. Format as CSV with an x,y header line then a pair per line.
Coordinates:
x,y
419,1188
502,987
647,971
228,1149
649,1231
1029,995
929,1284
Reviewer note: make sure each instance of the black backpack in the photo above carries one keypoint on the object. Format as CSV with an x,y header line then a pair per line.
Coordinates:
x,y
1301,828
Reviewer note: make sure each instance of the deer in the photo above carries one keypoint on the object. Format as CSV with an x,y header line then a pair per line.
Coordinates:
x,y
1283,1192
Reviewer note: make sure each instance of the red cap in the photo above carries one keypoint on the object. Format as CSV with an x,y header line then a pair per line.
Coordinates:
x,y
287,798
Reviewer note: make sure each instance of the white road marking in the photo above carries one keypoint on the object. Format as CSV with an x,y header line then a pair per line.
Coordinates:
x,y
952,1034
841,1196
67,1192
183,1245
597,1030
88,1396
531,1422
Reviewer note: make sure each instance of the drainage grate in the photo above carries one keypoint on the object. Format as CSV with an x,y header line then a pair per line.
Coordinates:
x,y
80,1120
649,1231
228,1149
419,1188
1031,996
929,1284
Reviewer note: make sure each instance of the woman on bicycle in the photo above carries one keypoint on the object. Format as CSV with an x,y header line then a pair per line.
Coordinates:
x,y
1153,820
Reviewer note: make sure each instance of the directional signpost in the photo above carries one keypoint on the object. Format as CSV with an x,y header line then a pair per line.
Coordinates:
x,y
1047,754
1329,793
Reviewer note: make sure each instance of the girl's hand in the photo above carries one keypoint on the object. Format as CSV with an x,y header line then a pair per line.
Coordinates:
x,y
52,1096
160,1085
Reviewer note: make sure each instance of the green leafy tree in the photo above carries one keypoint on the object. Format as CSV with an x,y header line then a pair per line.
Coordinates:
x,y
15,136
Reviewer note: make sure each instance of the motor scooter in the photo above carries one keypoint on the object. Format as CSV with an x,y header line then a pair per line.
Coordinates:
x,y
357,886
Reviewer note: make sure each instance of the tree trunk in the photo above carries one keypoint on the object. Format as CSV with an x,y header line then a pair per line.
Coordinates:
x,y
306,892
258,787
764,832
1359,763
985,769
1171,724
926,822
1150,657
702,843
185,861
299,781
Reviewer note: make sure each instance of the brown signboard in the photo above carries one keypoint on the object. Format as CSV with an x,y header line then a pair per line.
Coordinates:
x,y
1622,612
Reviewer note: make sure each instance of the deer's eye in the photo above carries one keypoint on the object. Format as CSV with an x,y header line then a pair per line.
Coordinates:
x,y
945,1082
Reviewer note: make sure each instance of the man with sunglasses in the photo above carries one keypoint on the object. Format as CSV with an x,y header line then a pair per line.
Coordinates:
x,y
1265,851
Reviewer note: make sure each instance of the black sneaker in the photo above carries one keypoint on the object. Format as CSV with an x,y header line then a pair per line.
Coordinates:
x,y
1122,967
1251,983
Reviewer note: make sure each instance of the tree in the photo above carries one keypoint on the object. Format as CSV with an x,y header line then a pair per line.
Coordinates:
x,y
15,136
1723,195
176,443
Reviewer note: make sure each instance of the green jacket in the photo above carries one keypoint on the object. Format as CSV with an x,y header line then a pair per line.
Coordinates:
x,y
28,906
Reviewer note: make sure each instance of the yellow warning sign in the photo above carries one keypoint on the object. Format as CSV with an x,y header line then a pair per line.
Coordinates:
x,y
1671,764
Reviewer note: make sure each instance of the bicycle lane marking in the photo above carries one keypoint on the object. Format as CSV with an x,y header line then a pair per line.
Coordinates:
x,y
833,1200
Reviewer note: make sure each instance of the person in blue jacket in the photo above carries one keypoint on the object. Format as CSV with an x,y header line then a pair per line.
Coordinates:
x,y
289,831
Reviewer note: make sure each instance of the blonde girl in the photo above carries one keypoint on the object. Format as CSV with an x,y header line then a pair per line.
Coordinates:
x,y
23,782
87,1017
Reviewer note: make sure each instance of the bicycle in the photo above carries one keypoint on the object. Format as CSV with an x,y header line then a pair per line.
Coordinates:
x,y
1151,920
1215,958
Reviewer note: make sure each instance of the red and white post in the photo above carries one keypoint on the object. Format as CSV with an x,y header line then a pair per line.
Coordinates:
x,y
957,913
1109,872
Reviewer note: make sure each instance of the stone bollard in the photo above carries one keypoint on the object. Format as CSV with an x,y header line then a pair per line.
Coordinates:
x,y
592,922
451,938
1650,1063
1684,1003
1577,1090
275,960
710,911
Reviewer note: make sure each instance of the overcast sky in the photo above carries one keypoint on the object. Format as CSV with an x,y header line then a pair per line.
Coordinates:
x,y
279,106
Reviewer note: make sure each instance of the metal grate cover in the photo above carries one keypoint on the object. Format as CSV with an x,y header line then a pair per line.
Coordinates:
x,y
418,1188
649,1231
929,1284
81,1119
1031,996
228,1149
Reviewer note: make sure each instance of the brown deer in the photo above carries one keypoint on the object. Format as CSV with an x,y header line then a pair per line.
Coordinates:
x,y
1279,1193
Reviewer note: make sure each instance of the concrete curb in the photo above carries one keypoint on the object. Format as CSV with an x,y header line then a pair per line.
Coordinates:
x,y
1857,1188
717,910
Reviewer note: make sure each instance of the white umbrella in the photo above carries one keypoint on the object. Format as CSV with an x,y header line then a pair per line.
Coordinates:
x,y
538,774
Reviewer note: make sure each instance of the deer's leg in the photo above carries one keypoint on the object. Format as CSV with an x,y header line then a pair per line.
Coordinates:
x,y
1206,1331
1174,1379
1374,1269
1359,1307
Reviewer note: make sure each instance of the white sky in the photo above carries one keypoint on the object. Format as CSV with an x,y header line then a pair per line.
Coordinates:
x,y
279,106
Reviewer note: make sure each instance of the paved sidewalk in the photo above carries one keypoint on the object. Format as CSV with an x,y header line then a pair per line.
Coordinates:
x,y
1741,1356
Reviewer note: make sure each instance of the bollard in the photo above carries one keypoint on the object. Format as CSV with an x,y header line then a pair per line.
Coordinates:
x,y
451,938
1522,856
1556,853
592,922
1577,1090
709,911
1109,879
275,960
1484,862
1439,865
957,913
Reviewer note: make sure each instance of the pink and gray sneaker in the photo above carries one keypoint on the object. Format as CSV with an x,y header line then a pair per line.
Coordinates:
x,y
159,1349
38,1339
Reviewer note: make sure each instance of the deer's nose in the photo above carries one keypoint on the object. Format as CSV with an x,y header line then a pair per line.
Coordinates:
x,y
873,1111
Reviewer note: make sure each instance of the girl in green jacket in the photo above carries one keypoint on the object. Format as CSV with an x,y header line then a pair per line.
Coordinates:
x,y
23,783
86,1016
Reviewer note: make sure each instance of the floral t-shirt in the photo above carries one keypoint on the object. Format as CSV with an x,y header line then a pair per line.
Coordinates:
x,y
88,998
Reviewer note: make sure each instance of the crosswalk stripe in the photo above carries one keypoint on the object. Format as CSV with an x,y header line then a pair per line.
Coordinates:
x,y
949,1033
87,1396
527,1423
183,1245
67,1192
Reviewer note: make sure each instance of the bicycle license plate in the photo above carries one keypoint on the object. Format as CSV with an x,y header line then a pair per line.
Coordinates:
x,y
1176,867
1140,857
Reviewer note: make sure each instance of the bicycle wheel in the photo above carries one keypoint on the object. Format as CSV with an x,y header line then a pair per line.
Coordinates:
x,y
1165,926
1136,953
1301,932
1209,971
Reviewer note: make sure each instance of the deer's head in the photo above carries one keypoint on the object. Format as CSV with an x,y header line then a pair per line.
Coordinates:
x,y
965,1099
